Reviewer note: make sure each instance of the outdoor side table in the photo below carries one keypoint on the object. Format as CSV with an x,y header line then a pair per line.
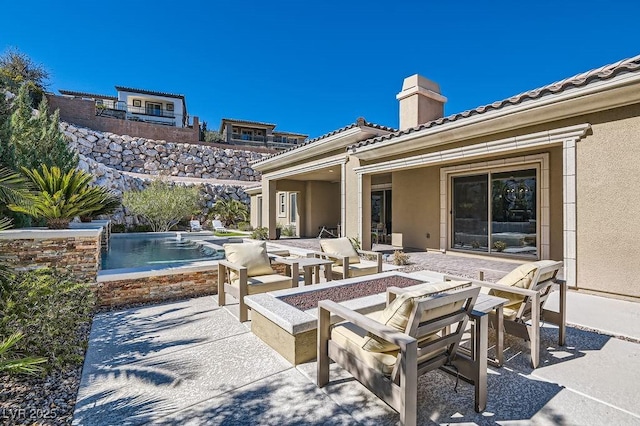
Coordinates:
x,y
311,267
472,364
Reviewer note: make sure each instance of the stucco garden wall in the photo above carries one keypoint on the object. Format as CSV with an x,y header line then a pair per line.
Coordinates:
x,y
608,202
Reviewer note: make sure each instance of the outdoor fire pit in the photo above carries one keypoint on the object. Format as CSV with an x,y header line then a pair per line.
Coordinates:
x,y
287,319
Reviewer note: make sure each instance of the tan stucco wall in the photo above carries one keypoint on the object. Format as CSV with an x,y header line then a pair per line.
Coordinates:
x,y
415,204
322,206
608,202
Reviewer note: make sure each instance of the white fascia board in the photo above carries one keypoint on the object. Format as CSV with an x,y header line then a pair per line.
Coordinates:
x,y
306,168
514,143
558,106
331,143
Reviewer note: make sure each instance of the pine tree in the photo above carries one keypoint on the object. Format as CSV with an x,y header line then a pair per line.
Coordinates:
x,y
7,157
37,139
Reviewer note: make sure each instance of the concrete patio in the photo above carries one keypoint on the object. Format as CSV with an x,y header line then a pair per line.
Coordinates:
x,y
192,362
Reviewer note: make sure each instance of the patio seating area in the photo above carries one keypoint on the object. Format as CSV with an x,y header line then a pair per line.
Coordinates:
x,y
193,362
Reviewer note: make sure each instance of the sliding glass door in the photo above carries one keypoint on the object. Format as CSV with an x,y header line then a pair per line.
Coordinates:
x,y
509,199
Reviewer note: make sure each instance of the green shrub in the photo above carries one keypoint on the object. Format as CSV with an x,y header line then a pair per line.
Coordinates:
x,y
118,228
289,231
230,211
140,228
245,226
52,311
260,233
163,205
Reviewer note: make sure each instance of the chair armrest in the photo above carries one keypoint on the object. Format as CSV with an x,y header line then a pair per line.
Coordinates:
x,y
233,266
482,271
494,286
323,255
376,254
389,334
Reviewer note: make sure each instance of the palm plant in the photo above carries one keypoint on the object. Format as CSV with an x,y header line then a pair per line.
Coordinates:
x,y
230,211
13,188
62,196
24,365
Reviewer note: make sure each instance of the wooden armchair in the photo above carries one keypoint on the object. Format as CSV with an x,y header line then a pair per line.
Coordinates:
x,y
417,332
346,259
247,270
527,288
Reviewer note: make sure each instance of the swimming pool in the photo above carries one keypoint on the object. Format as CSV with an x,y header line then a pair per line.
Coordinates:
x,y
147,249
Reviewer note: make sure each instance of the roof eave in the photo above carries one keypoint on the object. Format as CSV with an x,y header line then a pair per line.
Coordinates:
x,y
331,143
602,95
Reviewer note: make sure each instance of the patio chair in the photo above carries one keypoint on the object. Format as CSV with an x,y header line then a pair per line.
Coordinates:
x,y
419,331
247,270
527,288
195,225
346,259
218,226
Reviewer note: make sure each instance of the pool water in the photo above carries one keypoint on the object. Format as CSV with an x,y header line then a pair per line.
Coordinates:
x,y
129,251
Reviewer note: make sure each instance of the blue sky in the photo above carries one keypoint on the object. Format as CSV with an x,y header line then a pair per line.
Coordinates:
x,y
312,67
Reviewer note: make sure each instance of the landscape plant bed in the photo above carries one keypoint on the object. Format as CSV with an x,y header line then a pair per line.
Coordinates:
x,y
310,299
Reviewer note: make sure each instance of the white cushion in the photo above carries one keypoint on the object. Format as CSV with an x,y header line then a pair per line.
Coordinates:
x,y
521,277
265,283
396,314
340,247
356,269
252,256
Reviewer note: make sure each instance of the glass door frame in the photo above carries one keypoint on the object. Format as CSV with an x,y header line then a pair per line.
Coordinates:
x,y
489,171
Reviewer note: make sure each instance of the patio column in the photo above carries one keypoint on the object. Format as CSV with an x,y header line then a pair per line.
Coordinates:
x,y
569,211
364,210
269,206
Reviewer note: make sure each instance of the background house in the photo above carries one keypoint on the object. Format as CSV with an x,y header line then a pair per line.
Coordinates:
x,y
256,133
134,112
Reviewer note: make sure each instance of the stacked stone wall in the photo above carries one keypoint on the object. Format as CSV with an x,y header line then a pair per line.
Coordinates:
x,y
157,288
80,255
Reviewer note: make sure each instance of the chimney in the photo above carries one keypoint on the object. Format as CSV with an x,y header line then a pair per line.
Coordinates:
x,y
420,101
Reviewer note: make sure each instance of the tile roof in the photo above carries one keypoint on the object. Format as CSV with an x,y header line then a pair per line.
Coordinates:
x,y
259,123
360,122
149,92
599,74
86,95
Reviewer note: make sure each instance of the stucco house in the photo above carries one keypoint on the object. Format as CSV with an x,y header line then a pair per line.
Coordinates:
x,y
257,133
147,106
551,173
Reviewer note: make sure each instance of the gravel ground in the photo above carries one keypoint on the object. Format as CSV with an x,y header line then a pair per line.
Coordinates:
x,y
48,400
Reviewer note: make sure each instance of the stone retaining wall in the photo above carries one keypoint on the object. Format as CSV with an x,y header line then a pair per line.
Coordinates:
x,y
115,293
77,251
155,157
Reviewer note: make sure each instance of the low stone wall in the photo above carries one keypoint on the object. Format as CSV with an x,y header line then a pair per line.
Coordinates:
x,y
74,250
157,286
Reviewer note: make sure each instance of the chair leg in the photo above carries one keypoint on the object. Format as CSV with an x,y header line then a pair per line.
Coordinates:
x,y
534,331
324,328
409,385
222,300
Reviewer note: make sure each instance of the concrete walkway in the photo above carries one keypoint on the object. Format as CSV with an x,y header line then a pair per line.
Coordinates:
x,y
192,362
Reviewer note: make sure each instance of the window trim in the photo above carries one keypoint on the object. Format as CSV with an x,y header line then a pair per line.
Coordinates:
x,y
538,161
282,204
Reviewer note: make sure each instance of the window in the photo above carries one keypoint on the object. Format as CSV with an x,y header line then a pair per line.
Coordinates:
x,y
137,103
152,108
282,210
170,107
496,212
293,207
